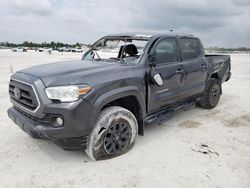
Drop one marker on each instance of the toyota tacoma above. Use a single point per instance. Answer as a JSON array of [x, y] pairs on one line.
[[99, 104]]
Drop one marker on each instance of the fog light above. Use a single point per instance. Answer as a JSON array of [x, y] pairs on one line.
[[59, 121]]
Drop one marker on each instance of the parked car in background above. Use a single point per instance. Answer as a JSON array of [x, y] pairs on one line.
[[19, 49], [77, 50], [64, 49], [40, 50]]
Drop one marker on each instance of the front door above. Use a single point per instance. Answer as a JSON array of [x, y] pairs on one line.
[[167, 64]]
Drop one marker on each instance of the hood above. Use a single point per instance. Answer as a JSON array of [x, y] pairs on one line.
[[71, 72]]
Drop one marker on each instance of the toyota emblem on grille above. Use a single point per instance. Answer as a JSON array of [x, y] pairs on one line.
[[17, 93]]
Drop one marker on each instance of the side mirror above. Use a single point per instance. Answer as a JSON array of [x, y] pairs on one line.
[[156, 78]]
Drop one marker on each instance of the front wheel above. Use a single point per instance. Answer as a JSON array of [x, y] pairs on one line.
[[114, 133], [211, 94]]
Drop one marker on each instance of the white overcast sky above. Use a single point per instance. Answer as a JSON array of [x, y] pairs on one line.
[[218, 23]]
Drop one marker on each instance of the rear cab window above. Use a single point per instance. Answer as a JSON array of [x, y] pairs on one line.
[[190, 48]]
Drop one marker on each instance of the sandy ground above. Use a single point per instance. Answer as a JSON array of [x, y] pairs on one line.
[[164, 157]]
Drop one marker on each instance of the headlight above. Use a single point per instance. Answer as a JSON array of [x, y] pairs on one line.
[[66, 93]]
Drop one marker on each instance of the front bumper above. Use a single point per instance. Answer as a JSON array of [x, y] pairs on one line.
[[40, 123], [62, 136], [27, 125]]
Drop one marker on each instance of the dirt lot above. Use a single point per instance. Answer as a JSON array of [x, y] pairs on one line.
[[165, 157]]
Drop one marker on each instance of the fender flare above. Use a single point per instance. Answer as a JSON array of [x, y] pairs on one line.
[[115, 94]]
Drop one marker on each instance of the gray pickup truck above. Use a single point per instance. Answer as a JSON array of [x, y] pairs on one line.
[[101, 103]]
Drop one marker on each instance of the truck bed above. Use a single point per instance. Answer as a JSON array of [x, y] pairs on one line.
[[219, 63]]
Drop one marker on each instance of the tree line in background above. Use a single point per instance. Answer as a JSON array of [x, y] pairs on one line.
[[217, 49], [55, 45], [52, 45]]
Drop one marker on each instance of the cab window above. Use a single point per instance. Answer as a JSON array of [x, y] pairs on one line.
[[190, 48], [166, 51]]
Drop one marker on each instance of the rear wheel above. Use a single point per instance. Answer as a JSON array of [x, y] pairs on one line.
[[114, 134], [211, 94]]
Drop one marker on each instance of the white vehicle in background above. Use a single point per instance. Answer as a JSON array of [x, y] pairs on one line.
[[40, 50], [47, 50], [64, 49], [19, 49], [77, 50]]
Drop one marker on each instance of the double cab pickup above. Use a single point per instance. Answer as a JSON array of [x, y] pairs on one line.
[[99, 104]]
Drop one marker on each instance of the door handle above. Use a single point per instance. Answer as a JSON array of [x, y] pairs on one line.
[[179, 71], [203, 66]]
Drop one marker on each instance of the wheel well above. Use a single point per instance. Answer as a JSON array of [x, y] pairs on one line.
[[130, 103]]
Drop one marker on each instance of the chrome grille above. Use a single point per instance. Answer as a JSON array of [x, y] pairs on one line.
[[23, 95]]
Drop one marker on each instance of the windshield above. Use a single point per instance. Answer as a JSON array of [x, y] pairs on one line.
[[124, 50]]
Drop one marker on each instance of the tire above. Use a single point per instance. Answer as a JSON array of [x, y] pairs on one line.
[[114, 134], [211, 94]]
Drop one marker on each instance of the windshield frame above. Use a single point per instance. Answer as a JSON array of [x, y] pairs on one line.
[[121, 38]]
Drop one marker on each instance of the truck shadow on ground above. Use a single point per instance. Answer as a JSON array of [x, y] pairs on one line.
[[179, 120], [56, 153], [182, 119]]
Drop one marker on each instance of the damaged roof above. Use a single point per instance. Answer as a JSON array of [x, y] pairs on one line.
[[147, 35]]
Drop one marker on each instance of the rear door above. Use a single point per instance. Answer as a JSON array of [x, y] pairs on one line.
[[167, 62], [194, 66]]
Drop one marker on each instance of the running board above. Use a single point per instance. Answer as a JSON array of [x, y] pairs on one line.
[[164, 115]]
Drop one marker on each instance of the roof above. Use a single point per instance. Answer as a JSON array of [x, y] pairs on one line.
[[147, 35]]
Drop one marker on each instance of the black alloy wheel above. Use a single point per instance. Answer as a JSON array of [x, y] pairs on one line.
[[117, 138]]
